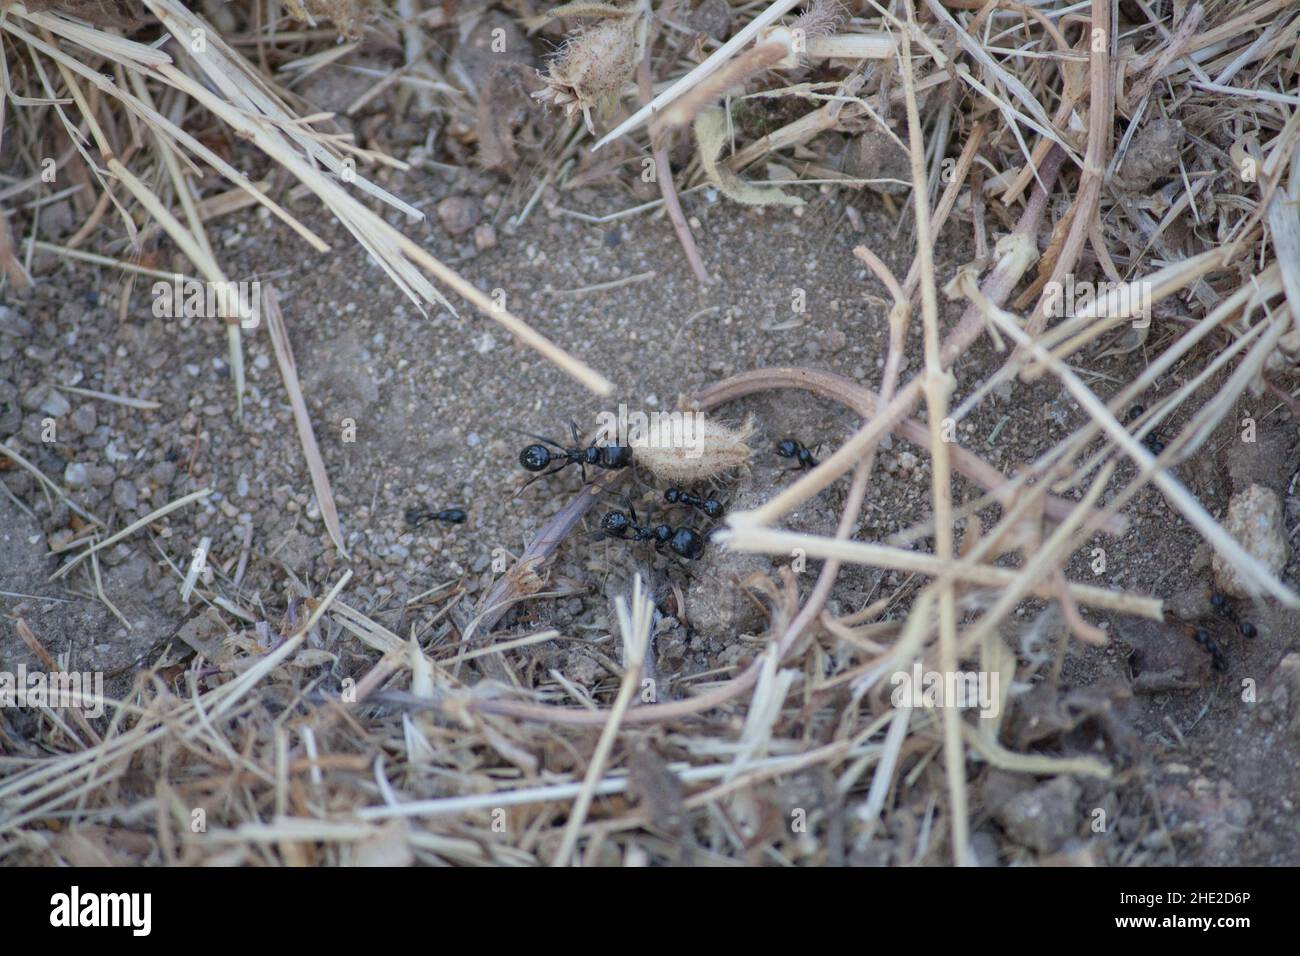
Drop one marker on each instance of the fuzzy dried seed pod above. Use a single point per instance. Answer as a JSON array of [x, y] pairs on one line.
[[702, 450], [591, 69]]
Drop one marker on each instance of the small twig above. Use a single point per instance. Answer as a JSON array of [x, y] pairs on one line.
[[663, 168]]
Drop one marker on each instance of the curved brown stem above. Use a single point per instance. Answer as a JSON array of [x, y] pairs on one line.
[[867, 404]]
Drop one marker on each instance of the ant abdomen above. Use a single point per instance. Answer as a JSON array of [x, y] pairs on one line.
[[687, 543], [535, 457]]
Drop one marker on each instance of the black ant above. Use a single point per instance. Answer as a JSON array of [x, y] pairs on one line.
[[1202, 637], [685, 542], [712, 507], [1220, 603], [536, 458], [1152, 441], [418, 516], [790, 448]]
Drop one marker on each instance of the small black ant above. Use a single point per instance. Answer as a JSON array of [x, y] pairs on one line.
[[712, 507], [1152, 441], [791, 448], [1202, 637], [418, 516], [1220, 603], [685, 542], [536, 458]]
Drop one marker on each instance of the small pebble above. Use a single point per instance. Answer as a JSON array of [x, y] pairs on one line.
[[485, 237], [459, 214], [85, 418], [124, 495]]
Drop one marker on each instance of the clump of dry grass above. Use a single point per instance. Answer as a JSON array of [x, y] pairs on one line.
[[235, 92], [417, 762]]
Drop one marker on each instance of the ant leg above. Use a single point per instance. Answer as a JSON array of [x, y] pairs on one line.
[[639, 481], [540, 475], [553, 444]]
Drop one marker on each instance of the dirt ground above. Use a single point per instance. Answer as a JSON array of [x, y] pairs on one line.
[[438, 402]]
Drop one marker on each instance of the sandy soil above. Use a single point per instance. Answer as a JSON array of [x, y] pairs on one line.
[[438, 401]]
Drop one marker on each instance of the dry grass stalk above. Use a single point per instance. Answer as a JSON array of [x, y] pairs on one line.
[[330, 803], [306, 435]]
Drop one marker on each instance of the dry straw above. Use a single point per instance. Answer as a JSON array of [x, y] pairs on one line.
[[1024, 128]]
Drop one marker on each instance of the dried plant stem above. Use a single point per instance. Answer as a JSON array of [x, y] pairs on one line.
[[899, 317], [663, 167], [131, 529], [508, 590], [1020, 250], [1101, 114], [696, 76], [1039, 566], [320, 479], [756, 59], [938, 384], [867, 404], [949, 199], [770, 541], [1252, 571], [635, 624]]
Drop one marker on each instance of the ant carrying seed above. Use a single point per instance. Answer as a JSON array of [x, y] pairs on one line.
[[685, 542], [537, 458], [1202, 637], [791, 448], [1220, 603], [418, 516], [712, 507]]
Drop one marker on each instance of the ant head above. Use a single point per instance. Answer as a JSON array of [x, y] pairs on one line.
[[535, 457], [1218, 601], [787, 448], [713, 508], [687, 543], [673, 495], [615, 524], [1247, 629], [1136, 412]]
